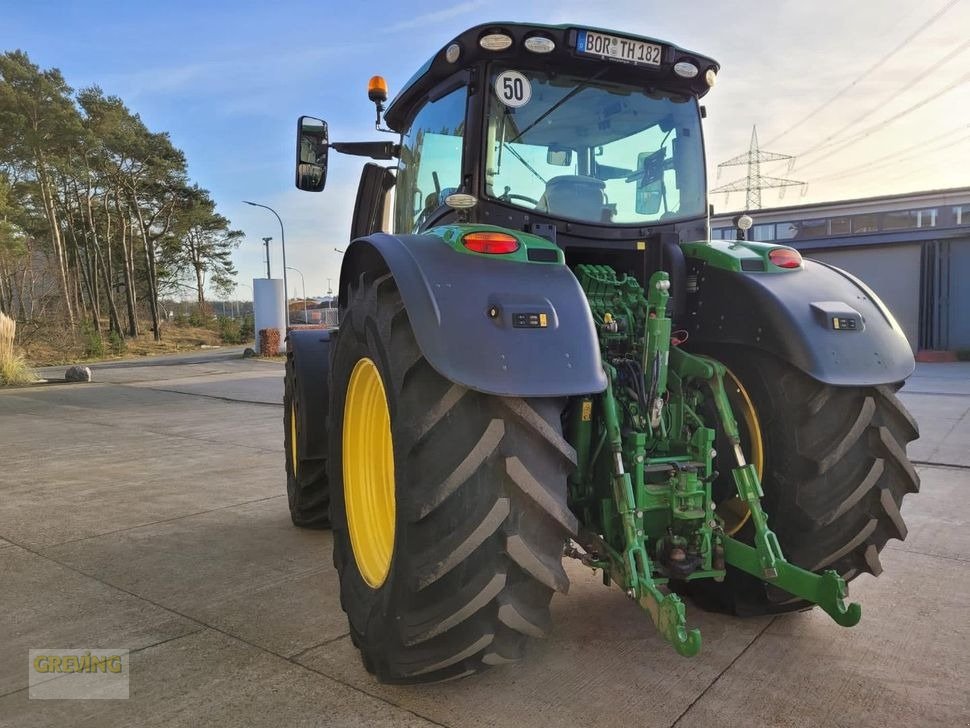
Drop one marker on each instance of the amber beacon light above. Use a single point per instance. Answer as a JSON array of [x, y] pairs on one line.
[[377, 89]]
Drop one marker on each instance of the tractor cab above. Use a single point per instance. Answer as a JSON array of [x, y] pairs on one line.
[[589, 138]]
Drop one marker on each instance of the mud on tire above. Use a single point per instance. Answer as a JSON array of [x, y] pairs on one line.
[[481, 515]]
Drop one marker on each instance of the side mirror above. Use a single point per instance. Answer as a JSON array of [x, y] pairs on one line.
[[312, 146], [650, 181], [649, 197], [557, 156]]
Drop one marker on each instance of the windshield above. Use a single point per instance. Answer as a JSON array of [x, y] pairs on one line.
[[589, 150]]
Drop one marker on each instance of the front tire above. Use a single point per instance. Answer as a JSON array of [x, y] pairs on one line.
[[478, 495], [835, 473]]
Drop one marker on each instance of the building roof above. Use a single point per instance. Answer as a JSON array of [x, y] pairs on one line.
[[858, 201]]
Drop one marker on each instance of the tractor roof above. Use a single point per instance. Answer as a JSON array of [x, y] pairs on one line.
[[562, 56]]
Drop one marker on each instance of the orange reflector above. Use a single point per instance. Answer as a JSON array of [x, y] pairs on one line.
[[377, 89], [785, 258], [491, 243]]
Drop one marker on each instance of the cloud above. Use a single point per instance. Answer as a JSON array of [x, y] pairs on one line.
[[429, 19], [230, 73]]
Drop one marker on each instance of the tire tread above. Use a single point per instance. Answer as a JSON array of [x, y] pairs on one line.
[[836, 474], [481, 508]]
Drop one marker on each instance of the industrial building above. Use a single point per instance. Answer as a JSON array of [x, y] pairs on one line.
[[912, 249]]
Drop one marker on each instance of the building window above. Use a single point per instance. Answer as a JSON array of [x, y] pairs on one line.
[[787, 230], [840, 226], [864, 223], [962, 215], [901, 220], [762, 233], [813, 228], [926, 218]]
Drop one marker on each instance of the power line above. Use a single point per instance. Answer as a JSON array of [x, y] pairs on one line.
[[891, 159], [908, 84], [878, 64], [915, 174], [841, 145]]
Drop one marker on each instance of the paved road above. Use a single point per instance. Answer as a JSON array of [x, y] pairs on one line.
[[145, 511]]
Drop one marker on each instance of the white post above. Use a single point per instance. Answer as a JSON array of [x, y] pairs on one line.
[[269, 308]]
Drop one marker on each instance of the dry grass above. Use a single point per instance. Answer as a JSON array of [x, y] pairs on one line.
[[54, 346], [13, 367]]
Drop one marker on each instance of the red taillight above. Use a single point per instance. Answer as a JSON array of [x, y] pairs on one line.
[[491, 243], [785, 258]]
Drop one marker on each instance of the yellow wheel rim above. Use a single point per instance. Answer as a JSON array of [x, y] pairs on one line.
[[293, 458], [368, 469], [735, 511]]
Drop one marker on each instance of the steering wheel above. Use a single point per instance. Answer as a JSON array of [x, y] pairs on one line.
[[509, 196]]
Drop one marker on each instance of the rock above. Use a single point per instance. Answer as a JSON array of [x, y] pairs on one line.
[[249, 352], [78, 374]]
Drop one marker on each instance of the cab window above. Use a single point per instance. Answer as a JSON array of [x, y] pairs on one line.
[[430, 166], [591, 150]]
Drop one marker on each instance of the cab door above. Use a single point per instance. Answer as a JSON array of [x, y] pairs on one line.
[[430, 166]]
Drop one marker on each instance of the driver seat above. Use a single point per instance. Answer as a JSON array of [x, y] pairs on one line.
[[575, 196]]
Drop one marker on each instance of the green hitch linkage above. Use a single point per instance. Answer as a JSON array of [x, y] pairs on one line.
[[765, 560], [666, 610]]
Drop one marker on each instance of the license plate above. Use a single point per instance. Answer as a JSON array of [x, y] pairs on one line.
[[618, 49]]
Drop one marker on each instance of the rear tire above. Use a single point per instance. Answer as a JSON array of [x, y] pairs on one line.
[[835, 475], [307, 486], [480, 508]]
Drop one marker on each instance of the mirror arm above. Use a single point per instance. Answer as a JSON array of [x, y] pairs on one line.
[[374, 150]]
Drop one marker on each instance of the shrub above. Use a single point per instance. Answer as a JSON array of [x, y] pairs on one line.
[[229, 330], [92, 341], [269, 342], [117, 343], [197, 318], [247, 328]]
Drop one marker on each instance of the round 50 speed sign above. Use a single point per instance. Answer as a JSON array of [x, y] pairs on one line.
[[513, 88]]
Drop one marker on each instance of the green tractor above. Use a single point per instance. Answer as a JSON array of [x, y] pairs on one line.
[[542, 355]]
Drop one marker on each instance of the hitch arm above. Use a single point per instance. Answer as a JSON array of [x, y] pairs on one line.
[[765, 560], [632, 568], [827, 589]]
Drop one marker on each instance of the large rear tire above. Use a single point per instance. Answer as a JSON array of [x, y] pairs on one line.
[[835, 473], [307, 488], [473, 506]]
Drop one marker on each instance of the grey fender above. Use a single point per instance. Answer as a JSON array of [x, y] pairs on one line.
[[821, 319], [308, 352], [468, 311]]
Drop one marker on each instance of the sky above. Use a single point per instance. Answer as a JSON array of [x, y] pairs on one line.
[[872, 97]]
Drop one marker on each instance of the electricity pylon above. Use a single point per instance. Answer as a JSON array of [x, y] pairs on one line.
[[755, 181]]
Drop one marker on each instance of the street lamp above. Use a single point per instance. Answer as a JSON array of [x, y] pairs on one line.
[[286, 303], [306, 318], [266, 242]]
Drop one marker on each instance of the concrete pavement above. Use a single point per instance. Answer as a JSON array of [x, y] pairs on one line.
[[146, 511]]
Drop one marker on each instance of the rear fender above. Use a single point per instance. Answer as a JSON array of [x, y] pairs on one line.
[[819, 318], [497, 326]]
